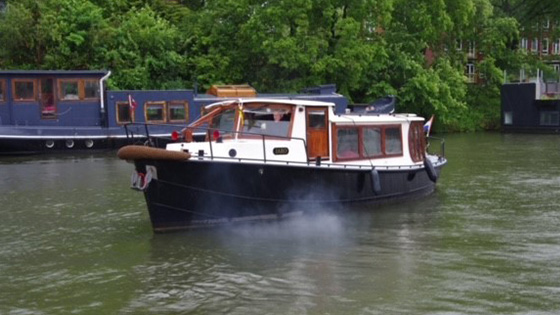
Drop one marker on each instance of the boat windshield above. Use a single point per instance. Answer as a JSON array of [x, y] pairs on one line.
[[225, 121], [266, 120]]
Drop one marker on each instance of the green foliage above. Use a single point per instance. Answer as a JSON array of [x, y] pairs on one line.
[[369, 48]]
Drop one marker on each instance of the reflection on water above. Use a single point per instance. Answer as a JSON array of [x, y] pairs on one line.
[[75, 238]]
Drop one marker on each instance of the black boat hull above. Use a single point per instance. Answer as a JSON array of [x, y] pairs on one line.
[[195, 193]]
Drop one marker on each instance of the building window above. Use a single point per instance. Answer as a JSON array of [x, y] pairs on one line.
[[459, 44], [470, 72], [535, 45], [556, 47], [2, 90], [524, 43], [472, 49], [556, 68], [154, 111], [78, 89], [508, 118], [545, 46], [178, 111], [125, 114], [550, 118], [24, 90]]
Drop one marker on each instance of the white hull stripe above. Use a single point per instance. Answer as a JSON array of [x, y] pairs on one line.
[[30, 137]]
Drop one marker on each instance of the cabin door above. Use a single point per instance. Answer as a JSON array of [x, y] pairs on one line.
[[317, 133], [47, 99]]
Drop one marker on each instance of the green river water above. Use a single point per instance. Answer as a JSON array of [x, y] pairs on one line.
[[74, 239]]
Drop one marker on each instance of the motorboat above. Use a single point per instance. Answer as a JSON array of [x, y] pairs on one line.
[[262, 159]]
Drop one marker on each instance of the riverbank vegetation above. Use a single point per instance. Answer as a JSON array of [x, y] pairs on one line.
[[368, 48]]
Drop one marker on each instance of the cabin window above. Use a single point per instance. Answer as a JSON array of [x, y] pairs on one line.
[[69, 90], [177, 111], [372, 142], [24, 90], [361, 142], [125, 113], [393, 141], [267, 120], [154, 111], [347, 143], [78, 89], [317, 119], [550, 119], [91, 89], [2, 90], [416, 141]]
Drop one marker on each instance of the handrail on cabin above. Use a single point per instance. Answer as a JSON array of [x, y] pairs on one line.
[[208, 136]]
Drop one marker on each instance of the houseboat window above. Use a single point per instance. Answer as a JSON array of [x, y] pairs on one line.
[[177, 111], [69, 90], [372, 141], [24, 90], [508, 118], [347, 143], [78, 89], [91, 89], [125, 114], [155, 111], [550, 119], [269, 121], [393, 141], [416, 141], [2, 91], [316, 119]]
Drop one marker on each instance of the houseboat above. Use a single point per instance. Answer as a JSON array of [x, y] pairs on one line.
[[53, 111], [531, 106], [272, 158]]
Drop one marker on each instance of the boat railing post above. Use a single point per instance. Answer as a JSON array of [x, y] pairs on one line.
[[264, 148], [209, 135]]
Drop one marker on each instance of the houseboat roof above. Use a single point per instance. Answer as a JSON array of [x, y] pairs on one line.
[[274, 101], [53, 72]]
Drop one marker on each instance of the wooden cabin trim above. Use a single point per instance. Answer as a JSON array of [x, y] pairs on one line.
[[14, 90], [362, 154], [416, 141], [132, 114], [171, 104], [97, 90], [80, 89], [3, 92], [155, 104]]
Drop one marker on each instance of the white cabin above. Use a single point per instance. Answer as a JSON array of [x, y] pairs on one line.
[[303, 132]]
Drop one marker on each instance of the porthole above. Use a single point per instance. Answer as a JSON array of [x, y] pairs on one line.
[[49, 144], [89, 143]]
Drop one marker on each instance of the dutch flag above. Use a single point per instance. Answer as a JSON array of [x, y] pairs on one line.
[[428, 126]]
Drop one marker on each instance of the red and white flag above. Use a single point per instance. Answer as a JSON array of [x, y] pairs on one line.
[[131, 102]]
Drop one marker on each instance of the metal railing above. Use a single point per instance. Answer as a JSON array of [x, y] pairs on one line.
[[441, 151]]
